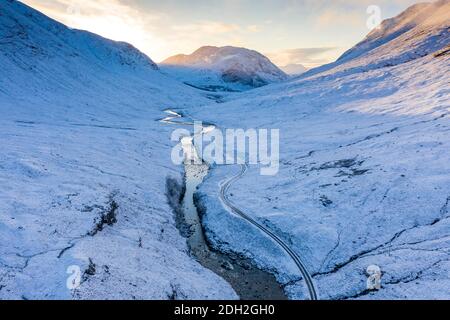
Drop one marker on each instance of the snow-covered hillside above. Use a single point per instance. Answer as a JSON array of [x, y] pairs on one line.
[[364, 176], [417, 32], [84, 166], [223, 69]]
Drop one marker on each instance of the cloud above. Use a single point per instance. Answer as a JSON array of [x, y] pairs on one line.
[[208, 27], [157, 33], [254, 28], [338, 18], [163, 28], [112, 19], [309, 57], [216, 28]]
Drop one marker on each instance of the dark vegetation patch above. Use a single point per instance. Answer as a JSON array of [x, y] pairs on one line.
[[338, 164], [175, 194], [90, 271], [349, 167], [352, 173], [325, 201], [107, 218], [443, 52]]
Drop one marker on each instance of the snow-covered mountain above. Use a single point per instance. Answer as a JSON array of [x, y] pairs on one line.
[[35, 36], [223, 69], [294, 69], [364, 178], [420, 30], [84, 165]]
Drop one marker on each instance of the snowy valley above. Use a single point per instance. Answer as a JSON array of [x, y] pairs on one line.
[[364, 177], [87, 180], [83, 168]]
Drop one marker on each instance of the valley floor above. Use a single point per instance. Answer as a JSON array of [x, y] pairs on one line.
[[94, 198], [85, 167], [364, 180]]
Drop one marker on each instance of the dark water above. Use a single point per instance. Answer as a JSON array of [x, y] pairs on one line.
[[249, 282]]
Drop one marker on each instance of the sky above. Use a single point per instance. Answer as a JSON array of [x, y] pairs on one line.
[[307, 32]]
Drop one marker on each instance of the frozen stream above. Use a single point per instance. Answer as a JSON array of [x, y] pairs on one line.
[[249, 282]]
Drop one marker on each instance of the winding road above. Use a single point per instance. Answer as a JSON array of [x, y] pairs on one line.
[[228, 203], [301, 266]]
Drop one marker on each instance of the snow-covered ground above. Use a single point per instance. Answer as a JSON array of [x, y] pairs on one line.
[[83, 169], [223, 69], [364, 177]]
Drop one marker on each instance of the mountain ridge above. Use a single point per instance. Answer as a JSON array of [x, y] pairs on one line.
[[32, 30], [420, 30], [228, 67]]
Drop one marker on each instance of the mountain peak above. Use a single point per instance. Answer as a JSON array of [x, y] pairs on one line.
[[419, 18], [225, 67], [32, 33]]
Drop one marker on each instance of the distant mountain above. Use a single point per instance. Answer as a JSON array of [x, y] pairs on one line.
[[294, 69], [223, 69], [420, 30]]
